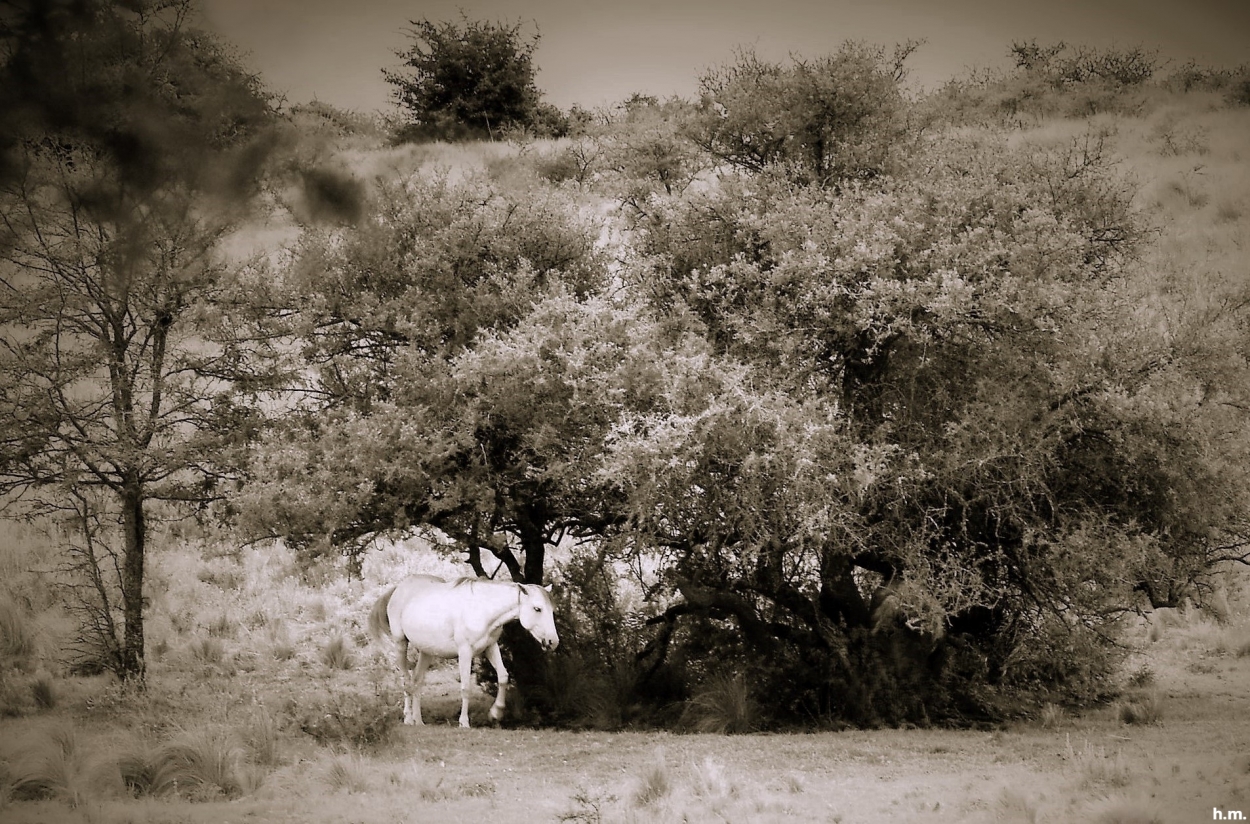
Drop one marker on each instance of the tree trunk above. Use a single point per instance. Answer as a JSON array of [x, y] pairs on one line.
[[531, 526], [134, 528]]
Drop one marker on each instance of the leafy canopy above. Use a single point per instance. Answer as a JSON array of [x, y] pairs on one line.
[[467, 79]]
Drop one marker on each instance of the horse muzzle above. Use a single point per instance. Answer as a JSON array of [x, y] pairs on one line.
[[549, 644]]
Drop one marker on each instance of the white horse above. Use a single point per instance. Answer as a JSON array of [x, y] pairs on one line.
[[460, 618]]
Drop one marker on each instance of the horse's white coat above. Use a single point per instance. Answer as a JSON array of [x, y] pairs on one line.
[[458, 619]]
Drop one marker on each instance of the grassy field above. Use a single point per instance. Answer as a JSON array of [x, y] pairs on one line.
[[266, 703]]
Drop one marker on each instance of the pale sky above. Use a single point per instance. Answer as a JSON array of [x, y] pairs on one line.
[[596, 52]]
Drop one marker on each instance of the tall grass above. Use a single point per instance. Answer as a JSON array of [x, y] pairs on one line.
[[1096, 768], [200, 764], [337, 654], [55, 764], [654, 782], [724, 705], [18, 645], [347, 773]]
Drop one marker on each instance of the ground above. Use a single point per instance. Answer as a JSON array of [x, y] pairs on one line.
[[268, 673]]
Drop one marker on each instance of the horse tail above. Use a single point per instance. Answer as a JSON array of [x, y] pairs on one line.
[[378, 622]]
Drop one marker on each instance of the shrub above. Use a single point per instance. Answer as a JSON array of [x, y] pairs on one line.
[[816, 121], [337, 654], [588, 807], [723, 705], [468, 79], [359, 721]]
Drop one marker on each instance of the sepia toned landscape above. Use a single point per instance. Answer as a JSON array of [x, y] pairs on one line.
[[884, 446]]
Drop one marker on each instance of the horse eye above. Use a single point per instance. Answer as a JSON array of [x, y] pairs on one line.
[[538, 609]]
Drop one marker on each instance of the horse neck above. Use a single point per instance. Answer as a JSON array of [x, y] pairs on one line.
[[503, 599]]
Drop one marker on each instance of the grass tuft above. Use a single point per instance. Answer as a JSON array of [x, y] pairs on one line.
[[1014, 806], [1051, 716], [1145, 710], [201, 765], [43, 691], [725, 705], [654, 782], [208, 650], [337, 654], [56, 765], [222, 627], [1096, 767], [263, 737], [710, 781], [18, 647], [346, 773]]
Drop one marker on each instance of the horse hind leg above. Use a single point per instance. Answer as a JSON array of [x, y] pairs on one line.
[[405, 678], [466, 672], [496, 659], [418, 681]]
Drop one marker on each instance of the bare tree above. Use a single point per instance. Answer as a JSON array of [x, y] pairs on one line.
[[111, 211]]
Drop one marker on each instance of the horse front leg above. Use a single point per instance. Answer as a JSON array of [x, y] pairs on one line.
[[466, 671], [496, 659]]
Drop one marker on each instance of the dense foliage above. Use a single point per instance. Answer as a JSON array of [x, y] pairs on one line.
[[469, 79], [871, 405], [865, 408]]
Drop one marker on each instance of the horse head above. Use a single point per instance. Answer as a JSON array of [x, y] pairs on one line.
[[538, 615]]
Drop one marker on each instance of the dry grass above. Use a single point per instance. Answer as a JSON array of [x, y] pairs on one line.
[[347, 773], [337, 653], [1121, 810], [54, 763], [724, 705], [1142, 710], [203, 764], [653, 782], [1096, 768], [314, 715], [18, 644]]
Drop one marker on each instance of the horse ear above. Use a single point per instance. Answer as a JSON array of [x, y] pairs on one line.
[[548, 587]]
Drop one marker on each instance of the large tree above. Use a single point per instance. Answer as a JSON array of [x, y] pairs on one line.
[[979, 447], [131, 139], [467, 78]]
